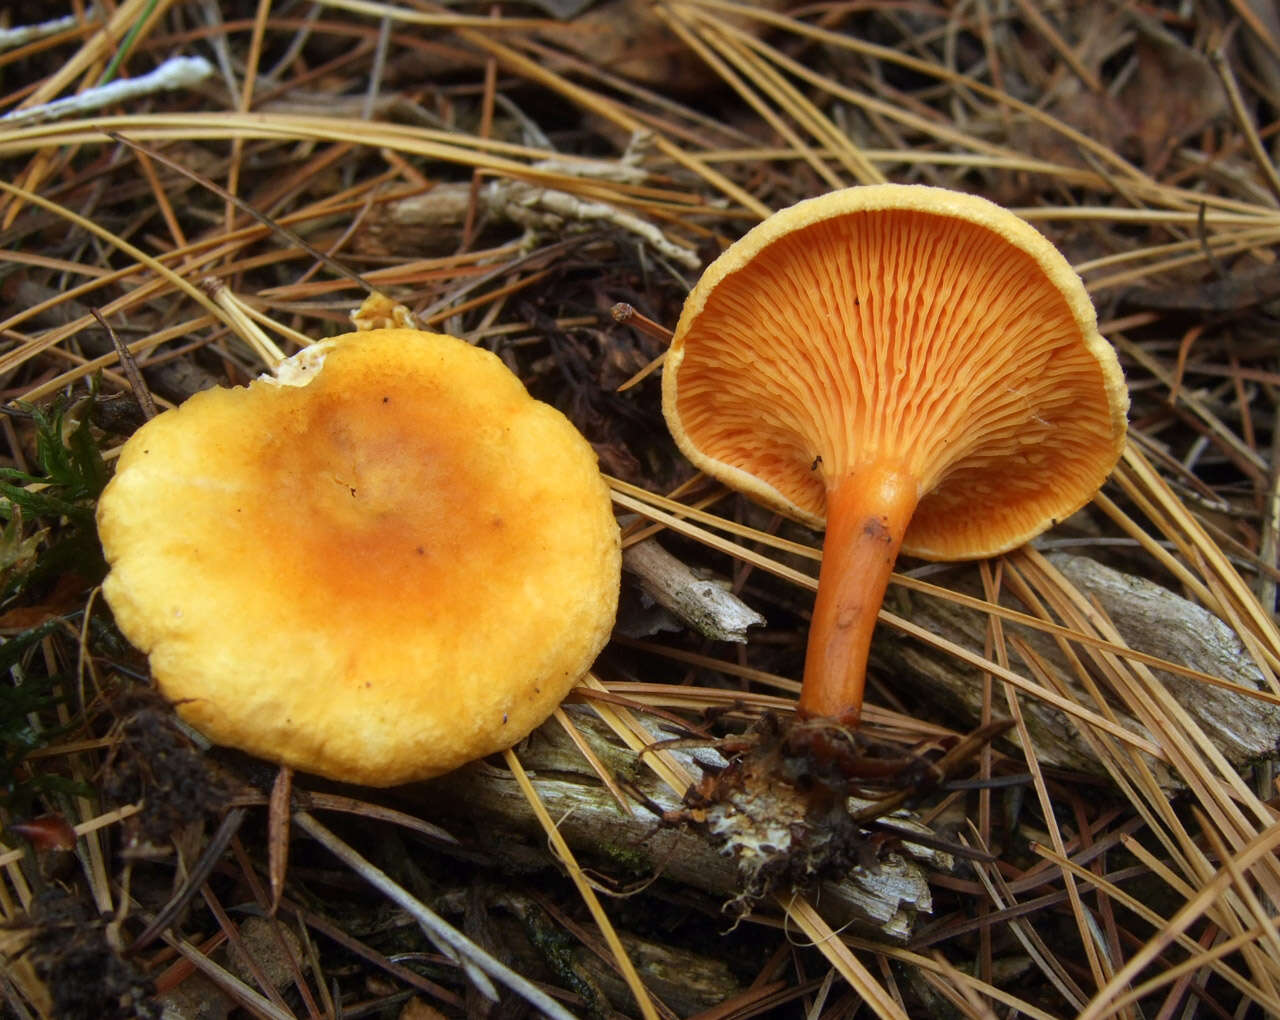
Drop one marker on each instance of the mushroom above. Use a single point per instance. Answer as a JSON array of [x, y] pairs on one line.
[[917, 369], [382, 562]]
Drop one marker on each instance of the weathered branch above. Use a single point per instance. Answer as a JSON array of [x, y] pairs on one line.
[[1150, 618], [706, 606]]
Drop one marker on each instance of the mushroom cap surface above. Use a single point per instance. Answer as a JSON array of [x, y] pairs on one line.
[[385, 562], [908, 325]]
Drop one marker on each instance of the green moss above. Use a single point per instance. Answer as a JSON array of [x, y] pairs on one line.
[[47, 539], [46, 519], [631, 859]]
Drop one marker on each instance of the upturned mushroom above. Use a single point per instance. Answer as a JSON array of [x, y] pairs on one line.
[[382, 562], [914, 368]]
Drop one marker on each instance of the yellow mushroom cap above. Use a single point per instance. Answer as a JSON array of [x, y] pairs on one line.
[[384, 562], [908, 325]]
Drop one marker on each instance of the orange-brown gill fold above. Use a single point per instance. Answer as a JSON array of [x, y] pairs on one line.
[[867, 515]]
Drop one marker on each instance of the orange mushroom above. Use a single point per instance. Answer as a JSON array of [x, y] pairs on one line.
[[916, 368], [380, 562]]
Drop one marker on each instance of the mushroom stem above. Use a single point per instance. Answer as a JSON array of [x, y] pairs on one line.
[[867, 515]]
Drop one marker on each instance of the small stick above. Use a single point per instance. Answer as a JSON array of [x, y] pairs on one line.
[[711, 610], [23, 34], [136, 382], [174, 73], [625, 313]]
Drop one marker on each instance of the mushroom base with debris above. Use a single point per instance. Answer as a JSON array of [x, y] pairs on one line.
[[880, 902], [807, 801]]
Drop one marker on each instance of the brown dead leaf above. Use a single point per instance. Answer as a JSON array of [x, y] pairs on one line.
[[67, 595], [418, 1009], [1172, 95], [628, 38]]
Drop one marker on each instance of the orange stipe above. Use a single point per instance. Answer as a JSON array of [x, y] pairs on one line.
[[867, 515]]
